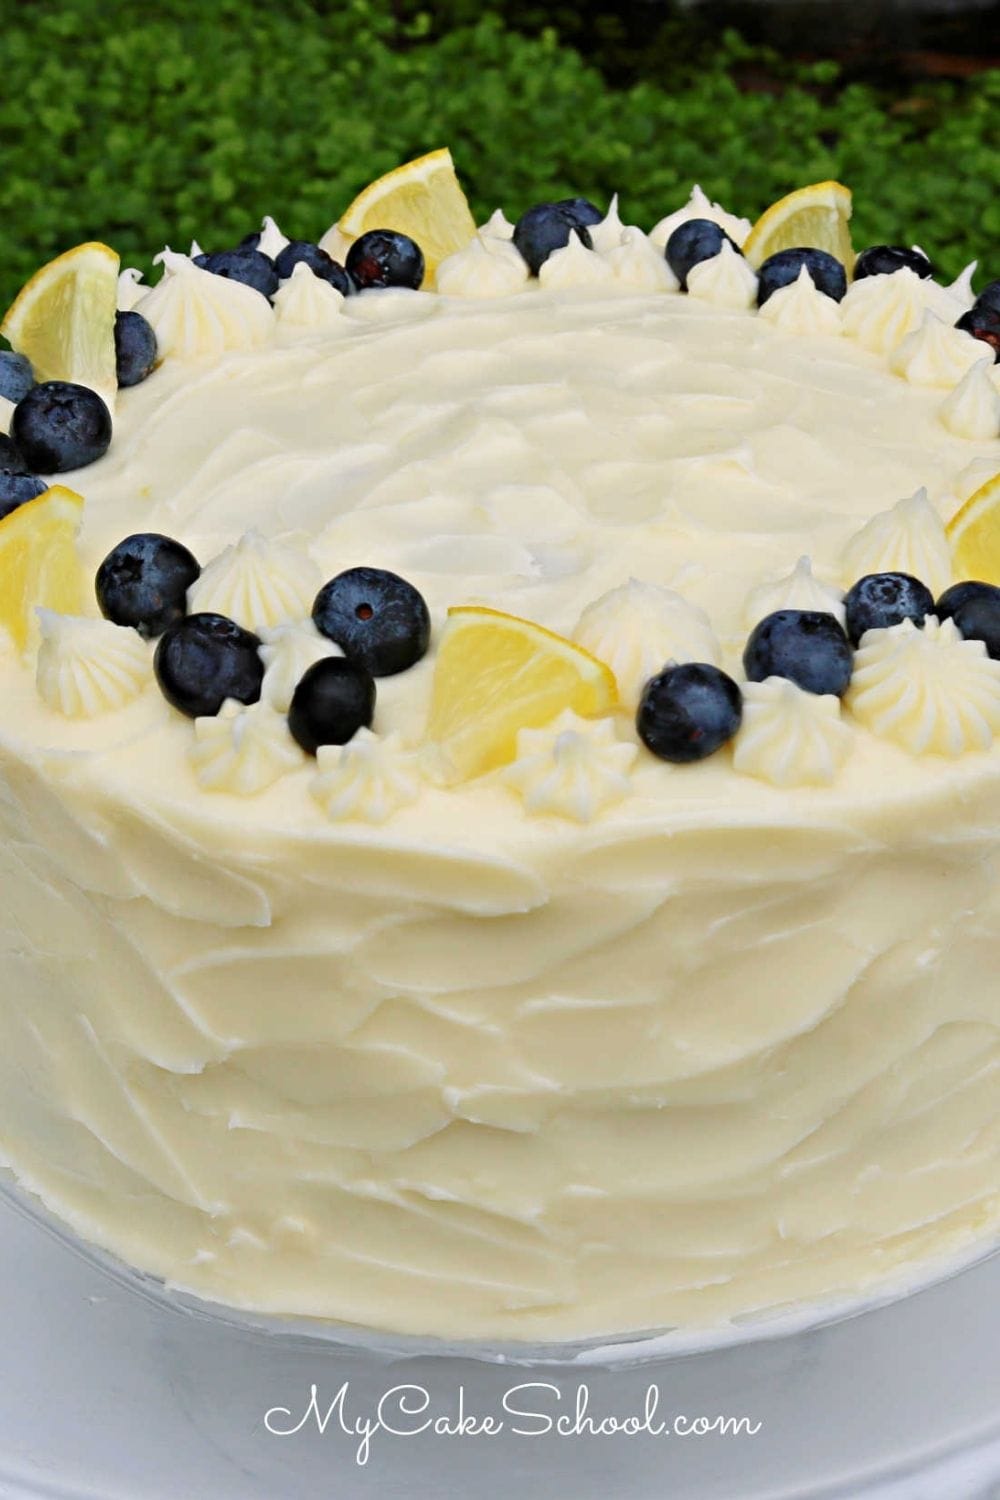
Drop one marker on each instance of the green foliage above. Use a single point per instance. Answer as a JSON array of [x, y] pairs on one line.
[[144, 125]]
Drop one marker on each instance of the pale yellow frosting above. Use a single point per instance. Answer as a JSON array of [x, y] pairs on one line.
[[475, 1070], [498, 226], [271, 241], [799, 589], [638, 628], [879, 311], [574, 768], [639, 265], [488, 266], [305, 303], [725, 279], [699, 206], [243, 750], [927, 688], [198, 316], [574, 266], [130, 288], [288, 651], [909, 538], [790, 737], [936, 353], [258, 582], [801, 307], [973, 409], [88, 667], [368, 779]]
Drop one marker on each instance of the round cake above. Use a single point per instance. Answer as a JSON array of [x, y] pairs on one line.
[[630, 963]]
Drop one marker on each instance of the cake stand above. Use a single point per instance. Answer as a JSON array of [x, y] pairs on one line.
[[111, 1392]]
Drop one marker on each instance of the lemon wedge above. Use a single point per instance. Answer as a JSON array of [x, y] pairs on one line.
[[974, 534], [39, 565], [817, 217], [63, 319], [497, 674], [423, 199]]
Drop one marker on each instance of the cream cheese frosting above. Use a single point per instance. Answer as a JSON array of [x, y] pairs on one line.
[[936, 353], [909, 537], [638, 264], [879, 311], [799, 589], [306, 303], [573, 768], [88, 667], [488, 266], [574, 266], [367, 779], [699, 206], [638, 628], [724, 279], [973, 409], [243, 750], [478, 1070], [790, 737], [198, 316], [801, 307], [258, 582]]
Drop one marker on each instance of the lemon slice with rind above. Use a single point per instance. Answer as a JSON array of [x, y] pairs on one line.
[[63, 319], [817, 217], [497, 674], [423, 199], [39, 564], [974, 534]]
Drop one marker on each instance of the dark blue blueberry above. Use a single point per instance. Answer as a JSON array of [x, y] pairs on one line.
[[581, 211], [16, 376], [989, 297], [383, 257], [335, 699], [243, 264], [59, 426], [144, 581], [205, 659], [880, 600], [975, 609], [692, 242], [135, 348], [782, 268], [299, 252], [883, 260], [807, 646], [376, 618], [545, 228], [983, 322], [17, 483], [686, 713]]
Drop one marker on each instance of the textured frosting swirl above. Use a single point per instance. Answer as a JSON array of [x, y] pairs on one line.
[[574, 266], [368, 779], [305, 302], [288, 651], [908, 538], [271, 241], [243, 750], [258, 583], [488, 266], [802, 308], [725, 280], [936, 353], [637, 628], [973, 409], [638, 264], [788, 736], [929, 690], [88, 667], [573, 768], [606, 235], [130, 288], [196, 315], [799, 589], [699, 206], [497, 226], [879, 311]]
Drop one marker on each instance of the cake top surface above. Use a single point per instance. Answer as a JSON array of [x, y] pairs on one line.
[[644, 471]]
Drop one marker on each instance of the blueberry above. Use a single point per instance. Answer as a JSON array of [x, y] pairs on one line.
[[16, 376], [975, 609], [59, 426], [804, 645], [135, 348], [883, 260], [335, 699], [242, 264], [382, 257], [298, 252], [205, 659], [686, 713], [983, 322], [989, 297], [17, 484], [581, 211], [376, 618], [782, 268], [545, 228], [692, 242], [882, 599], [144, 581]]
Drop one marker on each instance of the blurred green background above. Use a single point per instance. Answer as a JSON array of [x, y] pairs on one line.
[[149, 124]]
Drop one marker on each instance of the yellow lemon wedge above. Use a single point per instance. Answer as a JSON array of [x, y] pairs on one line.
[[974, 534], [63, 319], [39, 565], [818, 216], [497, 674], [423, 199]]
